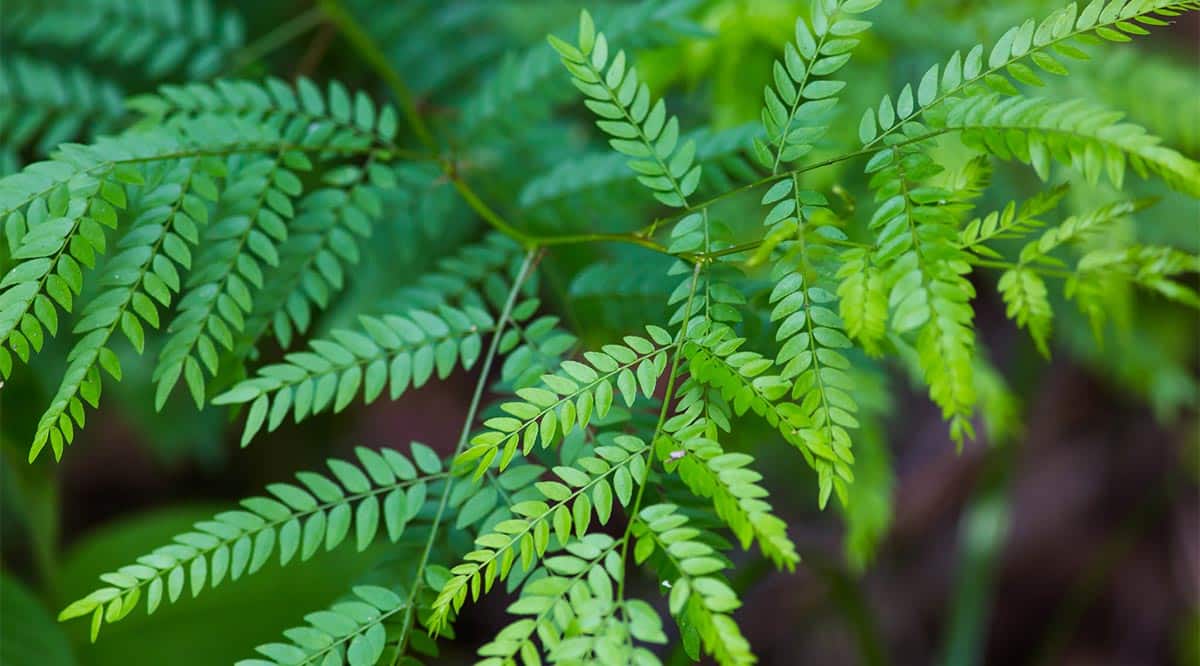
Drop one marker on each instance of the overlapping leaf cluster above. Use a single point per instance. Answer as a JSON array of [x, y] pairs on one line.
[[234, 215]]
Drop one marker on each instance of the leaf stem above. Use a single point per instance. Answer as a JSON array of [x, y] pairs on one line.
[[631, 239], [486, 212], [773, 178], [801, 85], [361, 40], [476, 398], [282, 34], [1049, 272], [1013, 57], [662, 418]]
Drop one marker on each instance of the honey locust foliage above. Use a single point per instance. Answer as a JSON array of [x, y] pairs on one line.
[[215, 219]]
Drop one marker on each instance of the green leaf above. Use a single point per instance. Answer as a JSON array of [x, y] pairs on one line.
[[132, 329], [426, 459], [366, 522], [476, 508], [602, 500], [647, 376]]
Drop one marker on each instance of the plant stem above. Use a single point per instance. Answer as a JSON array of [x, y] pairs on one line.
[[1050, 272], [484, 371], [662, 418], [774, 178], [631, 239], [375, 57], [361, 40], [316, 50], [282, 34], [483, 210]]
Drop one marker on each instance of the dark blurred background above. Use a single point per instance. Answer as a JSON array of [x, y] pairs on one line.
[[1070, 536]]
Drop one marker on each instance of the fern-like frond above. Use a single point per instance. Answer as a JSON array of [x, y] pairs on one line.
[[699, 597], [348, 632], [243, 208], [323, 241], [720, 151], [689, 448], [1076, 133], [622, 292], [478, 275], [1027, 302], [715, 358], [809, 333], [812, 337], [1148, 266], [568, 398], [588, 486], [171, 210], [1157, 90], [534, 349], [159, 37], [1077, 229], [521, 91], [1012, 222], [253, 211], [863, 298], [570, 605], [251, 221], [1097, 270], [333, 120], [917, 240], [794, 109], [55, 213], [51, 210], [716, 296], [640, 130], [1041, 43], [399, 351], [385, 488], [43, 104]]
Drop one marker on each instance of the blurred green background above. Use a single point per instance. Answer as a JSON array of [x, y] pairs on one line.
[[1069, 534]]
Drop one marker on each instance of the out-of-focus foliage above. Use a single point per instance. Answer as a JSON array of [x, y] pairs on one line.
[[31, 635], [670, 281]]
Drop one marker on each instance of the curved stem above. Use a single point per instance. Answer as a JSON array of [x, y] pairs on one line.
[[361, 40], [486, 212], [533, 521], [534, 420]]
